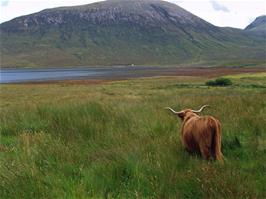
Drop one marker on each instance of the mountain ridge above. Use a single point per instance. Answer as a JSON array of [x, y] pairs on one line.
[[258, 24], [115, 32], [115, 11]]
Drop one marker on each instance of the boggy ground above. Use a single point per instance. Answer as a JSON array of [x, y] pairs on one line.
[[115, 140]]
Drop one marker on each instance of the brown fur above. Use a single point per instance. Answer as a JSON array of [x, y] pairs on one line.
[[201, 134]]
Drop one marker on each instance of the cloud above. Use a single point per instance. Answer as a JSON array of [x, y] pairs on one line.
[[4, 3], [219, 7]]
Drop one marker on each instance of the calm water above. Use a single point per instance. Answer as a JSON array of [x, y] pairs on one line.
[[26, 75], [46, 74]]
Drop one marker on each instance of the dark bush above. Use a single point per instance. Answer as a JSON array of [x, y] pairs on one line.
[[219, 82]]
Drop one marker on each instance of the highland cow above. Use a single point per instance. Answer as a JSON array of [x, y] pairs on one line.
[[200, 133]]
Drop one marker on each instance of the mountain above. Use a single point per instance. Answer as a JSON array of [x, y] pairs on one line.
[[258, 25], [123, 32], [257, 29]]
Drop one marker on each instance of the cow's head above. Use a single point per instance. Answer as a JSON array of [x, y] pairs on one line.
[[187, 113]]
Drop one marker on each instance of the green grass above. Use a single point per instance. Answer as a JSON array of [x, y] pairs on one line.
[[248, 75], [115, 140]]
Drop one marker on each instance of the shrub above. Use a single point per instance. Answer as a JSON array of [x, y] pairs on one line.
[[219, 82]]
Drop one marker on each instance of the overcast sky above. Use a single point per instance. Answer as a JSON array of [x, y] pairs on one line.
[[232, 13]]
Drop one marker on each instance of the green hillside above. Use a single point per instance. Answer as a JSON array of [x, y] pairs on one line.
[[149, 32]]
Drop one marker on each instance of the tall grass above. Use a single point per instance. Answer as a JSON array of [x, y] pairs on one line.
[[116, 141]]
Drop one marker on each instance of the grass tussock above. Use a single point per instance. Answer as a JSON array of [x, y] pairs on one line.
[[115, 140], [219, 82]]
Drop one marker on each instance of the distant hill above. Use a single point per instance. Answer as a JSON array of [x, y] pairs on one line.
[[257, 29], [258, 25], [124, 32]]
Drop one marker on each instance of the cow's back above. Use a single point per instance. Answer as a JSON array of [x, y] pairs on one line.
[[198, 131]]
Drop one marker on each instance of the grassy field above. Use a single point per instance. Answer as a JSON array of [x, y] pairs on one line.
[[115, 140]]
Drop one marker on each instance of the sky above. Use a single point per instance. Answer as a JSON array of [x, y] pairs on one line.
[[224, 13]]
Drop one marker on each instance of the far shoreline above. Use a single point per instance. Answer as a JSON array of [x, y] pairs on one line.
[[107, 74], [184, 65]]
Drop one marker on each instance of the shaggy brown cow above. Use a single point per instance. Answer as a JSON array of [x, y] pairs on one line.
[[200, 133]]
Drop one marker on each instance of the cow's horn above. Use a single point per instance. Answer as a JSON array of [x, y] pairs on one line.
[[173, 111], [201, 109]]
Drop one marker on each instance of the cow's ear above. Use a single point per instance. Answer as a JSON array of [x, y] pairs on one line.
[[181, 114]]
